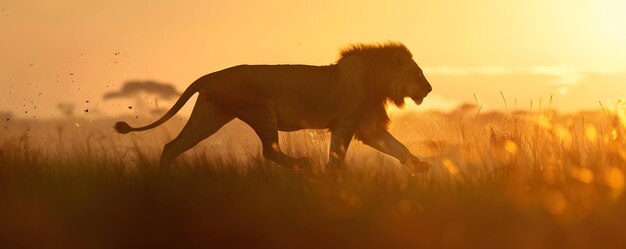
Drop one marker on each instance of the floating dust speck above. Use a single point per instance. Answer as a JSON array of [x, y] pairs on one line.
[[583, 175], [556, 202], [591, 133], [510, 146], [452, 169], [614, 177]]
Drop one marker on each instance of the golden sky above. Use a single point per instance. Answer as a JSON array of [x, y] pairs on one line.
[[72, 51]]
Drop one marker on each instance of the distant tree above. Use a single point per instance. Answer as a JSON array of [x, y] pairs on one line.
[[139, 91], [5, 115], [132, 89], [66, 109]]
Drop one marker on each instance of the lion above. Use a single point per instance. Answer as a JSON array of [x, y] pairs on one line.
[[347, 97]]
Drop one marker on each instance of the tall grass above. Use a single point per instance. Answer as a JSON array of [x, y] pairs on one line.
[[520, 179]]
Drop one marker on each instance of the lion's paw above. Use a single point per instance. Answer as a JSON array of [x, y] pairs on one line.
[[334, 165], [417, 165]]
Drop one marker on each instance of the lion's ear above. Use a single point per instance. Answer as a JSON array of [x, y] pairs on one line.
[[400, 60]]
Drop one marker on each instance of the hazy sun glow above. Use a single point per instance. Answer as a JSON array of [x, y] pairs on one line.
[[73, 51]]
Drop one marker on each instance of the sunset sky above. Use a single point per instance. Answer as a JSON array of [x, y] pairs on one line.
[[72, 51]]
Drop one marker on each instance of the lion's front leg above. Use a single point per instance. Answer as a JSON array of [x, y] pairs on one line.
[[340, 138], [384, 142]]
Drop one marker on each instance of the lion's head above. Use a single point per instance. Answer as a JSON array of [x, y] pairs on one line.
[[408, 80], [390, 71]]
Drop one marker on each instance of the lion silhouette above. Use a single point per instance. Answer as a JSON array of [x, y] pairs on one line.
[[347, 97]]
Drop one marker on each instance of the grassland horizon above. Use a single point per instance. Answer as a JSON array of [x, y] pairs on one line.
[[523, 179]]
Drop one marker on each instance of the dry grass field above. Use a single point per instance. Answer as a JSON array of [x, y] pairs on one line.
[[523, 179]]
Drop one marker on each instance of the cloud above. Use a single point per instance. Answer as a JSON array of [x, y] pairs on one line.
[[562, 75], [133, 88], [568, 88], [488, 70]]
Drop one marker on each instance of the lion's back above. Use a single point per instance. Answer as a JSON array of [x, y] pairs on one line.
[[298, 94]]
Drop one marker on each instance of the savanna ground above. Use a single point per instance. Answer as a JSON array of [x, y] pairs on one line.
[[534, 179]]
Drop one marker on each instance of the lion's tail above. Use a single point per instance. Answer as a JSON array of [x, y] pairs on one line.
[[123, 127]]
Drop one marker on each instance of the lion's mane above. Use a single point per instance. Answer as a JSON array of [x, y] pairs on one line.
[[367, 69]]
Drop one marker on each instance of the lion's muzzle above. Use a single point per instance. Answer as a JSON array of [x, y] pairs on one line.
[[418, 98]]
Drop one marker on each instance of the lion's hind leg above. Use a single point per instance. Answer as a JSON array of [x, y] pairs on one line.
[[272, 151], [264, 124], [206, 119]]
